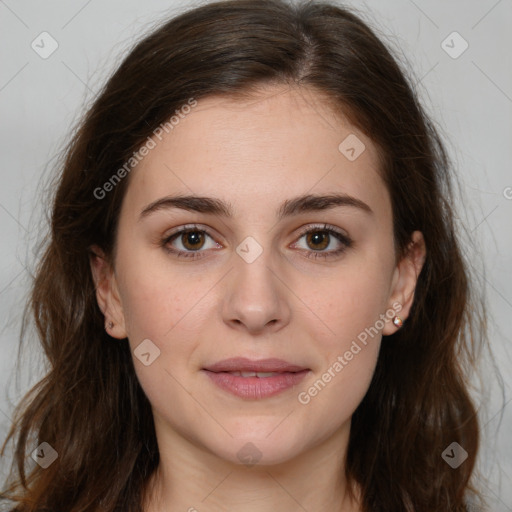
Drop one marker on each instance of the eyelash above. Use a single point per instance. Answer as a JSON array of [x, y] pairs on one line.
[[341, 237]]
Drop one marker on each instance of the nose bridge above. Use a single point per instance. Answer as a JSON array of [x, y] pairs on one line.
[[255, 298]]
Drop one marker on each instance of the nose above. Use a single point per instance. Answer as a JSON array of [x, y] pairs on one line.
[[256, 300]]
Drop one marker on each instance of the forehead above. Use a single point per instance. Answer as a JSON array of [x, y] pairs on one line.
[[282, 142]]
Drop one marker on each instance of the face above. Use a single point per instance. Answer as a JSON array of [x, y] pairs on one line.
[[312, 283]]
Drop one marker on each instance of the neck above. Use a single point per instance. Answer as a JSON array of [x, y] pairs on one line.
[[191, 479]]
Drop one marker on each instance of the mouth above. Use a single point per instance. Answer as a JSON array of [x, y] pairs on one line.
[[251, 379]]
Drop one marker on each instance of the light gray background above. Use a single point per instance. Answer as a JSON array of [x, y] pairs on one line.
[[470, 97]]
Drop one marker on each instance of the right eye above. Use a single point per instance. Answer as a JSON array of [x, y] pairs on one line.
[[192, 240]]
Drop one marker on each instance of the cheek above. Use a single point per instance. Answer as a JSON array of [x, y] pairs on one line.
[[348, 348], [171, 310], [167, 310], [347, 303], [332, 397], [352, 308], [155, 298]]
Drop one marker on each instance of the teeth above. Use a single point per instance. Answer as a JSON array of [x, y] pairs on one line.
[[254, 374]]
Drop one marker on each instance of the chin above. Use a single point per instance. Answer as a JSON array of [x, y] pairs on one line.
[[259, 450]]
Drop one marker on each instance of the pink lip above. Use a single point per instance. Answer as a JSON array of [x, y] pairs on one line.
[[255, 387]]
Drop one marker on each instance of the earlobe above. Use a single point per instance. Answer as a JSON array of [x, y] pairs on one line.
[[106, 293], [404, 282]]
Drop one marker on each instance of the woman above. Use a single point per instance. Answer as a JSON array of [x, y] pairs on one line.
[[253, 295]]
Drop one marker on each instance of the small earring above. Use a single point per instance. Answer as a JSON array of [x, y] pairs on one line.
[[110, 325], [398, 321]]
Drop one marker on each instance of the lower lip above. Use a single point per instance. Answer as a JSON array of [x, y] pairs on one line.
[[256, 387]]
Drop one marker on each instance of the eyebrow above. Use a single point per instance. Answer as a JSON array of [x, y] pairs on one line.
[[210, 205]]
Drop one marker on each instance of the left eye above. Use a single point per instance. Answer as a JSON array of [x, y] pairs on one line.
[[192, 240], [321, 238]]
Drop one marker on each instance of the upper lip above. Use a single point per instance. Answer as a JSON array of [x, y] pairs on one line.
[[243, 364]]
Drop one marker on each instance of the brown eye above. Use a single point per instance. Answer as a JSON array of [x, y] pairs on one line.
[[189, 242], [318, 240], [192, 240]]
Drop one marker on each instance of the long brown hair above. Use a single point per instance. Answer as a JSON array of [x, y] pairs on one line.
[[90, 407]]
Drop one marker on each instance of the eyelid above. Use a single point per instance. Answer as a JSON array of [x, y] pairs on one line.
[[190, 227], [324, 227]]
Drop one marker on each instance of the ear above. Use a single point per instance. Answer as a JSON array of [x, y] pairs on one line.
[[107, 293], [404, 280]]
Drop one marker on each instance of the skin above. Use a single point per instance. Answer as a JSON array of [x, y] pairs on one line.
[[255, 155]]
